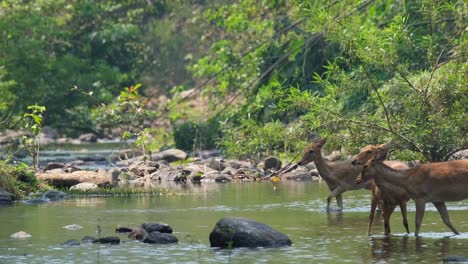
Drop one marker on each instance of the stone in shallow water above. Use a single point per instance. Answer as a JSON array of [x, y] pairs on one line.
[[241, 232], [20, 235], [159, 227], [73, 227], [71, 242], [160, 238]]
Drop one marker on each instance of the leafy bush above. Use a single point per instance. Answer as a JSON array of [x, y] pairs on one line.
[[196, 135], [17, 179]]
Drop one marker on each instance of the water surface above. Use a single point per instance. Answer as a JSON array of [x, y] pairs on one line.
[[294, 208]]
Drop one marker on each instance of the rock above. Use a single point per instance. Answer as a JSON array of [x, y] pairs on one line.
[[84, 186], [215, 164], [20, 235], [271, 164], [123, 229], [70, 179], [229, 170], [108, 240], [53, 165], [6, 197], [455, 259], [54, 195], [298, 175], [125, 154], [160, 238], [88, 239], [36, 201], [142, 168], [138, 234], [73, 227], [93, 158], [71, 242], [170, 155], [159, 227], [88, 137], [241, 232], [237, 164], [167, 174]]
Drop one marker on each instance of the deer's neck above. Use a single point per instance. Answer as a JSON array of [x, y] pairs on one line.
[[386, 175], [323, 168]]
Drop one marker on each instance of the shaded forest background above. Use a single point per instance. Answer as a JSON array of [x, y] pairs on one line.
[[253, 78]]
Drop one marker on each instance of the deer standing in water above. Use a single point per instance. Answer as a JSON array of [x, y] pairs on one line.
[[433, 182], [340, 176], [390, 197]]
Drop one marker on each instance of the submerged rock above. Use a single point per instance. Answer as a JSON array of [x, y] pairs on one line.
[[54, 195], [36, 201], [108, 240], [88, 239], [160, 238], [71, 242], [240, 232]]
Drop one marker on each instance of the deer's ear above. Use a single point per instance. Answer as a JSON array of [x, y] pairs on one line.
[[381, 154], [386, 145], [321, 142]]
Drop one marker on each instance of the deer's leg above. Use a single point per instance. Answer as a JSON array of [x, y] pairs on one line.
[[404, 215], [420, 209], [387, 211], [444, 214], [334, 193], [374, 202], [339, 201]]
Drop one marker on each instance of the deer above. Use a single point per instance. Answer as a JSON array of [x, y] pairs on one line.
[[340, 176], [390, 197], [436, 183]]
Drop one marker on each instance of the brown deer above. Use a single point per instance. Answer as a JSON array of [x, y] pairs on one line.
[[390, 197], [340, 176], [433, 182]]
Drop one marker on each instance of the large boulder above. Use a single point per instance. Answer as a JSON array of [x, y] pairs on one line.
[[62, 179], [240, 232], [6, 197], [170, 155]]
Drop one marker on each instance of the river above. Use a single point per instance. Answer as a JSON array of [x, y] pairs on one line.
[[294, 208]]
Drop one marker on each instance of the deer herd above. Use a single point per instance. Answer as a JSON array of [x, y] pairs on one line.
[[392, 182]]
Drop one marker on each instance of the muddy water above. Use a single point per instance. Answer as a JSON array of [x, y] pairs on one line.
[[296, 209]]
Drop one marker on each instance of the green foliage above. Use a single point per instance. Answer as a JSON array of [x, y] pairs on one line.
[[32, 143], [60, 52], [17, 179], [199, 135]]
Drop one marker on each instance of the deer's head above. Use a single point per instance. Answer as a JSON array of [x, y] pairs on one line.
[[369, 152], [367, 172], [313, 152]]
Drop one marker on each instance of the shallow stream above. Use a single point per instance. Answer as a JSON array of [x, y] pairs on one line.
[[294, 208]]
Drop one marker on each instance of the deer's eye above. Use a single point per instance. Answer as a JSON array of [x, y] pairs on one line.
[[368, 151]]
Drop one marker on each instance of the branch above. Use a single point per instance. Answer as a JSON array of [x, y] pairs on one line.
[[448, 155], [315, 37], [378, 127], [374, 86]]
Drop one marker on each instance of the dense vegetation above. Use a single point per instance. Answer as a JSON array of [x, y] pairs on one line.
[[272, 75]]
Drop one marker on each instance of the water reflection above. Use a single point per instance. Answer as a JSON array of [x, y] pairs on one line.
[[384, 247]]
